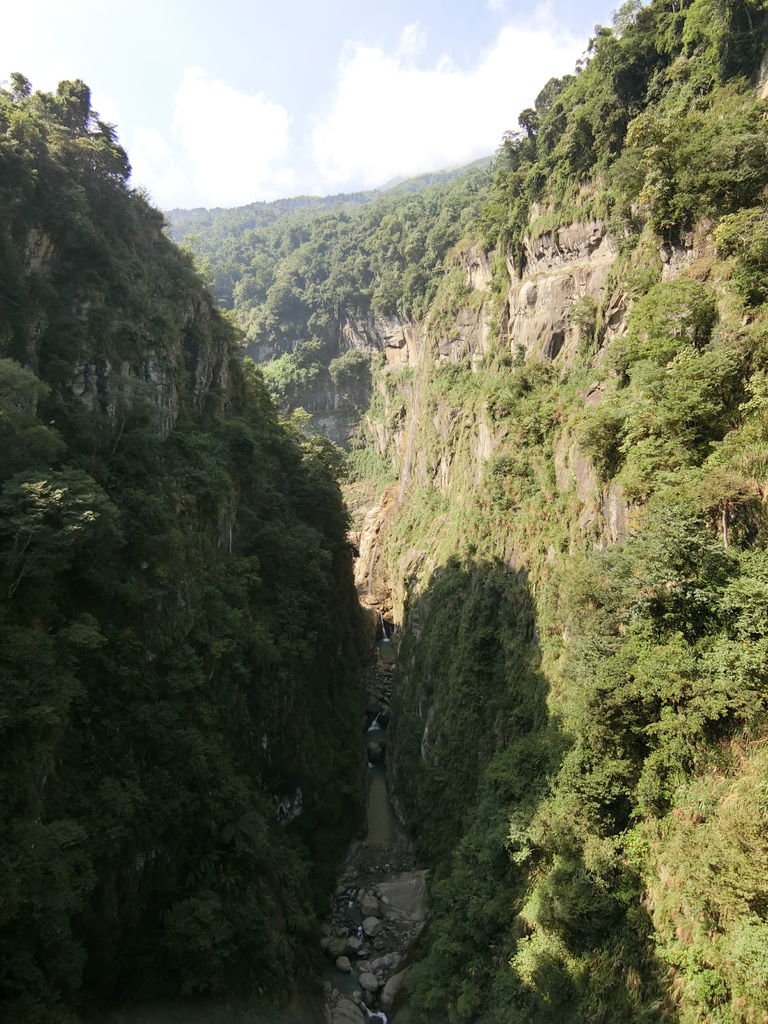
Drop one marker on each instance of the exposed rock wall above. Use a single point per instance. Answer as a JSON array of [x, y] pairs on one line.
[[558, 268], [399, 340], [181, 357]]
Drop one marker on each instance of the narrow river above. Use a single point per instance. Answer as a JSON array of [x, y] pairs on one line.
[[380, 904]]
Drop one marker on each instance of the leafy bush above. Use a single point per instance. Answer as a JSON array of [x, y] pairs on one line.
[[672, 316]]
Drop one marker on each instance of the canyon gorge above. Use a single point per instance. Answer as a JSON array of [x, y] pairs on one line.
[[384, 624]]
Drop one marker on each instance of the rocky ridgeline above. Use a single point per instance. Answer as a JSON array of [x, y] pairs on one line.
[[379, 908]]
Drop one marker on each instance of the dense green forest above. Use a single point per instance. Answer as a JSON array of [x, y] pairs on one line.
[[580, 710], [269, 254], [176, 608]]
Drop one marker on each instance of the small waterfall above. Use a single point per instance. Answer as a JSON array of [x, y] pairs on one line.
[[383, 628], [374, 724], [374, 1015]]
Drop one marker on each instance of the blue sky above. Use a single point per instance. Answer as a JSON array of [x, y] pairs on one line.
[[224, 102]]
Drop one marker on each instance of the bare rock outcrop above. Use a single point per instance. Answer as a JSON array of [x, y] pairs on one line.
[[558, 268]]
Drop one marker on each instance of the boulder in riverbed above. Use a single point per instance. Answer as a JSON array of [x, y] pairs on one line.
[[369, 982], [392, 989], [343, 964], [345, 1012], [369, 905], [337, 946], [372, 926], [388, 962], [404, 897]]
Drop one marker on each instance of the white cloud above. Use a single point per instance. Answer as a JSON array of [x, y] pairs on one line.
[[226, 147], [389, 115], [412, 41], [390, 118]]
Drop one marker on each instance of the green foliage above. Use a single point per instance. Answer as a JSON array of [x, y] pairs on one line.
[[314, 268], [584, 317], [351, 373], [308, 266], [658, 125], [702, 160], [744, 236], [291, 377], [674, 315]]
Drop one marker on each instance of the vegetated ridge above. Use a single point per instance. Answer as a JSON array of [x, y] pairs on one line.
[[176, 609]]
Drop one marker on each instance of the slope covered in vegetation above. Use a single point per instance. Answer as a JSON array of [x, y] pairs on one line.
[[583, 680], [176, 608], [313, 284]]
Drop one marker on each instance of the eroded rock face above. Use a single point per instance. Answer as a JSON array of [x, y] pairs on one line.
[[191, 347], [693, 246], [479, 273], [558, 269], [398, 339], [370, 579], [392, 989], [762, 86], [38, 251]]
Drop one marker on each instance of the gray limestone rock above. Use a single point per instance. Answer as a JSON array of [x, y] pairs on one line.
[[337, 946], [372, 926], [369, 982], [389, 962], [345, 1012], [369, 905], [392, 989], [405, 897]]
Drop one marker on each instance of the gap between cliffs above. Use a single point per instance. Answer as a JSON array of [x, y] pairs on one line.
[[379, 907]]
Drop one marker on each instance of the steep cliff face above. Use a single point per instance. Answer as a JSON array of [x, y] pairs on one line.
[[110, 312], [439, 440], [579, 499], [177, 610], [558, 269]]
